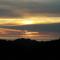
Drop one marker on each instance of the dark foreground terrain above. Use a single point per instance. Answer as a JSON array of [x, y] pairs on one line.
[[14, 48], [27, 43]]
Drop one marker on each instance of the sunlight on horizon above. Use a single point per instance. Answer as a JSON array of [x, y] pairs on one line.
[[28, 21], [12, 34]]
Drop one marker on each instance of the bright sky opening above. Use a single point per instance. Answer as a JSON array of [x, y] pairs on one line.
[[28, 21]]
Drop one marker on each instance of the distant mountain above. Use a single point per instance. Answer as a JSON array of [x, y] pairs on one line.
[[37, 27]]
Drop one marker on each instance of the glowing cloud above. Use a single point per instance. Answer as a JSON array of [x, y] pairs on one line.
[[30, 20]]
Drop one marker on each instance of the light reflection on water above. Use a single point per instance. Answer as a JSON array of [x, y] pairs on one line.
[[14, 34]]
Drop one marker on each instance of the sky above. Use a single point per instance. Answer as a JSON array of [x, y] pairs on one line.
[[20, 8], [32, 15], [28, 12]]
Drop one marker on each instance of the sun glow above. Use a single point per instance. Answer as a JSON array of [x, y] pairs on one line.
[[25, 22], [38, 20], [28, 21]]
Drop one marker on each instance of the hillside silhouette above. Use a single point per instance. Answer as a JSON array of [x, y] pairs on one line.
[[13, 49], [27, 43]]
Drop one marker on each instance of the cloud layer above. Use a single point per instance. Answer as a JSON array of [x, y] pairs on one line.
[[19, 8]]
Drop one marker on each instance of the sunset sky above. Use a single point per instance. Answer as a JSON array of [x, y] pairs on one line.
[[29, 21], [30, 12], [24, 12], [33, 15]]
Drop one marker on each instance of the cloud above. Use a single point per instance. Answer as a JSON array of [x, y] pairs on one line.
[[38, 27], [9, 32], [18, 8]]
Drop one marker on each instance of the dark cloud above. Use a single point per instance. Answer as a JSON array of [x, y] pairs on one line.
[[17, 8], [38, 27]]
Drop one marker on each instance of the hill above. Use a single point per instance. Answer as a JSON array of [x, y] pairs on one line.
[[27, 43]]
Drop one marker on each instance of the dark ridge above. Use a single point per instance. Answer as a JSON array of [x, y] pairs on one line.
[[27, 43]]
